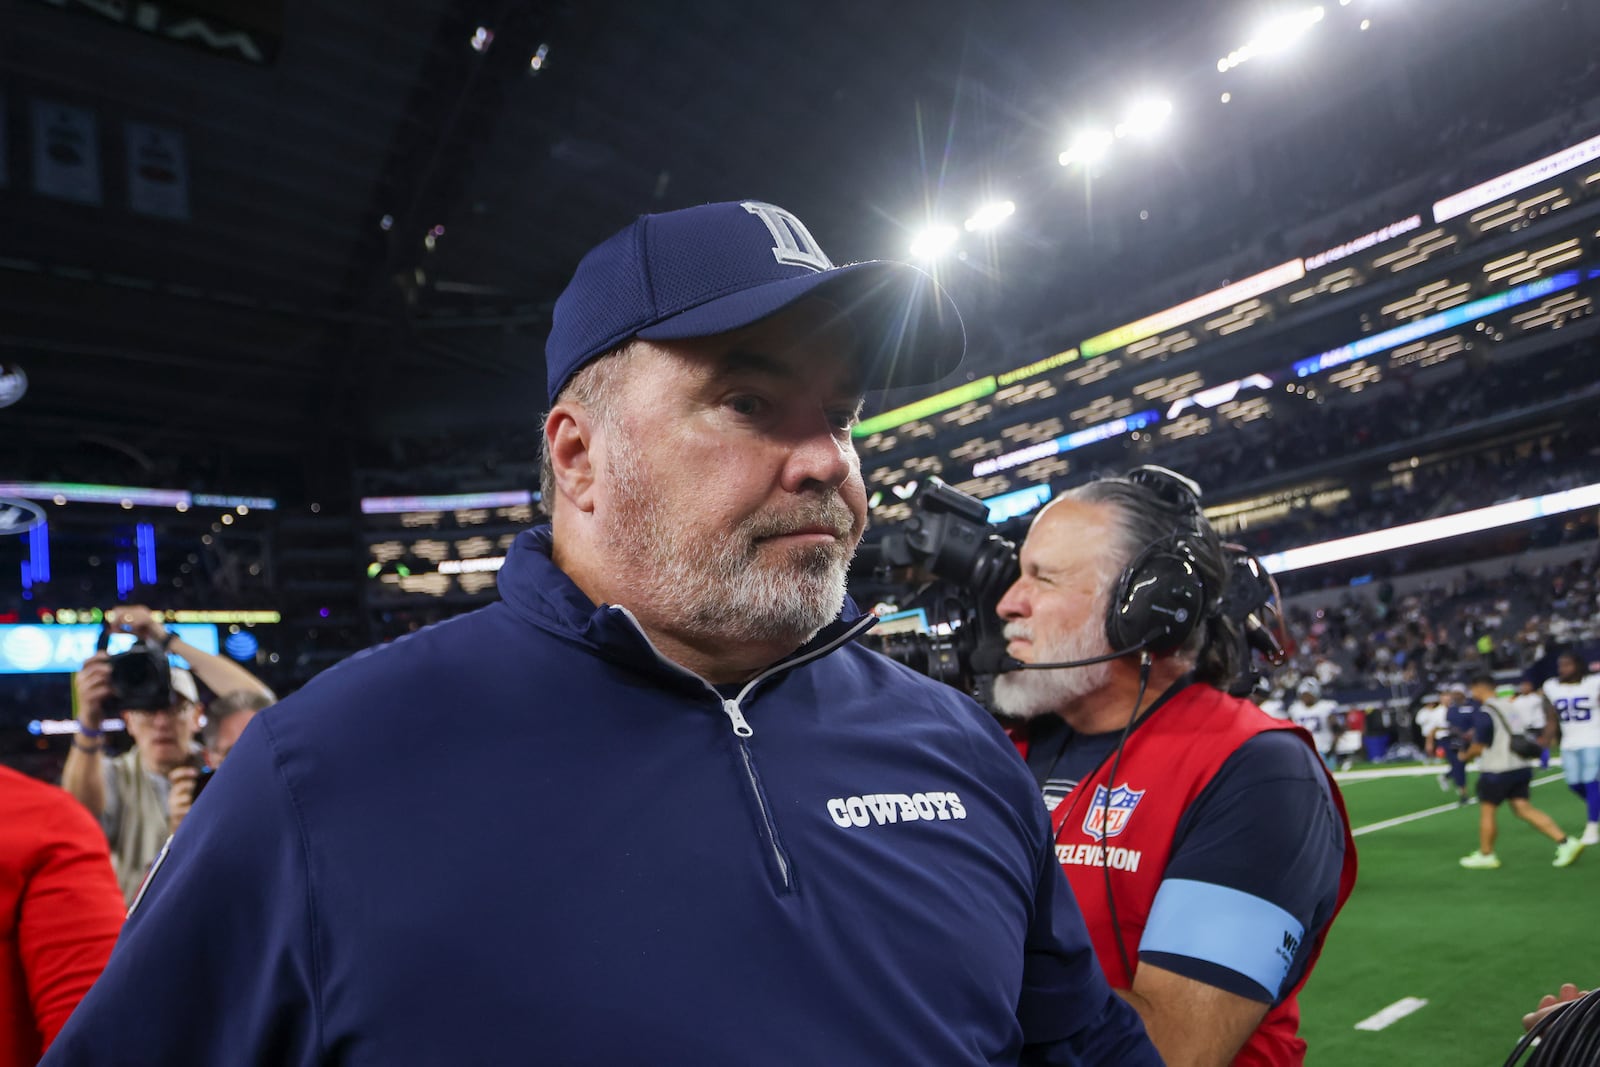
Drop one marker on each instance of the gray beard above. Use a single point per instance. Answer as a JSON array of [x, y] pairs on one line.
[[729, 588], [1028, 694]]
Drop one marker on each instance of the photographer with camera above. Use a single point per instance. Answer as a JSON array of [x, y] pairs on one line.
[[1204, 840], [141, 796]]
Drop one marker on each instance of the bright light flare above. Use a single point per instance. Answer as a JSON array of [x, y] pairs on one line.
[[1145, 118], [991, 215], [1274, 36], [1090, 146], [934, 241]]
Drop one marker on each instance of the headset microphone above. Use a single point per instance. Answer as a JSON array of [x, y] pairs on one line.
[[1007, 664]]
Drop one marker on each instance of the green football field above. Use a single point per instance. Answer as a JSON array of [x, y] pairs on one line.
[[1480, 946]]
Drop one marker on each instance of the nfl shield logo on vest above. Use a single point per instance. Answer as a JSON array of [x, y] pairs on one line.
[[1108, 818]]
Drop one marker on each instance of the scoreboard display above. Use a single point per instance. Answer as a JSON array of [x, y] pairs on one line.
[[440, 548]]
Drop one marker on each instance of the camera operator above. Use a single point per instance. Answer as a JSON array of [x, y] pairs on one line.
[[1205, 840], [130, 794]]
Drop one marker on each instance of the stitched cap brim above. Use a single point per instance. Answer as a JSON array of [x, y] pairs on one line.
[[910, 329]]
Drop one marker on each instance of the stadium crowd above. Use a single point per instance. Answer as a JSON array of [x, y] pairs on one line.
[[1408, 643]]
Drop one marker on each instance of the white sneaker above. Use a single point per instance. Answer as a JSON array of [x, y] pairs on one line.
[[1591, 834]]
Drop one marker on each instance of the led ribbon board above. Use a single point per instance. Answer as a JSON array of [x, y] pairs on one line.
[[471, 566], [1444, 320], [394, 505], [82, 493], [1364, 242], [29, 649], [1060, 359], [1217, 395], [1066, 442], [1442, 528], [1517, 180], [950, 398], [1200, 306]]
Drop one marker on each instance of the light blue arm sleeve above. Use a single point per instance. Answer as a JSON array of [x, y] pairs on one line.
[[1227, 927]]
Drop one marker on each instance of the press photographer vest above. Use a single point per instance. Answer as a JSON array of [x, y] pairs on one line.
[[1168, 761], [142, 828]]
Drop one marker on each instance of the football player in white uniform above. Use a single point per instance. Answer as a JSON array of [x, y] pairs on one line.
[[1529, 706], [1574, 696], [1430, 724], [1315, 716]]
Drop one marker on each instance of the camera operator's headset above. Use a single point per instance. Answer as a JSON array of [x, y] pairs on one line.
[[1161, 598]]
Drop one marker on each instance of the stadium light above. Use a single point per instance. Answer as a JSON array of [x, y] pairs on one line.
[[991, 215], [1145, 118], [1090, 146], [1272, 37], [934, 241]]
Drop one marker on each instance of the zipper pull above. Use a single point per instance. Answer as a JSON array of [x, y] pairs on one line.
[[735, 716]]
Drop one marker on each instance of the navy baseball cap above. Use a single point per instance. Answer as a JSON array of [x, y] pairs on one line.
[[718, 267]]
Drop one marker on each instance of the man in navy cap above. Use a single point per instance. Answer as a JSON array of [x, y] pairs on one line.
[[657, 805]]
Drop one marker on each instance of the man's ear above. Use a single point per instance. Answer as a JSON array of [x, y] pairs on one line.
[[569, 440]]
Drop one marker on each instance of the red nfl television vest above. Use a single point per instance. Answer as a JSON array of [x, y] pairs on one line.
[[1168, 761]]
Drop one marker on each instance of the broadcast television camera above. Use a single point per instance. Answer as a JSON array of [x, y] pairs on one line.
[[965, 568]]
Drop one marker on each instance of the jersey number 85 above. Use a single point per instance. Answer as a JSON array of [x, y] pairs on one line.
[[1574, 709]]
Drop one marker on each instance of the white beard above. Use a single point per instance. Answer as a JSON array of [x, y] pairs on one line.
[[1027, 694], [729, 588]]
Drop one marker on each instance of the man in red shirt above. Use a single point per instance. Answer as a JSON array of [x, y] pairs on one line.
[[60, 912], [1204, 840]]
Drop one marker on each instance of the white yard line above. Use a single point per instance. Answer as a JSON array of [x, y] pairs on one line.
[[1416, 771], [1392, 1014], [1425, 812]]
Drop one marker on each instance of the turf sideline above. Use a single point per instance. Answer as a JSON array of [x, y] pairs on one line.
[[1425, 812], [1413, 771]]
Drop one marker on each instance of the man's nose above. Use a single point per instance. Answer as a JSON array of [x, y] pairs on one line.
[[1014, 604], [818, 455]]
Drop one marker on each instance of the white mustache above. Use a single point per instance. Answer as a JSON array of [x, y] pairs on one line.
[[1015, 631], [831, 513]]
